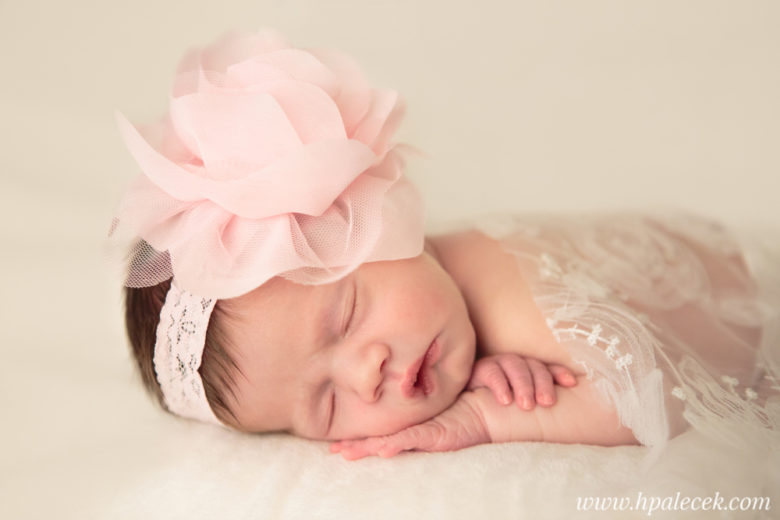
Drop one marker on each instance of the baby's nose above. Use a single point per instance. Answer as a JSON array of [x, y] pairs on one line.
[[364, 371]]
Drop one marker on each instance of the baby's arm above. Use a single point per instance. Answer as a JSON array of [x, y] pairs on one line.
[[579, 417], [477, 417]]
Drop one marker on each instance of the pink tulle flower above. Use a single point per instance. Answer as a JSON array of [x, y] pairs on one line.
[[271, 161]]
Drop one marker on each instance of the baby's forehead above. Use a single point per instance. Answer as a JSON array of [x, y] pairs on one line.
[[279, 315], [273, 297], [261, 311]]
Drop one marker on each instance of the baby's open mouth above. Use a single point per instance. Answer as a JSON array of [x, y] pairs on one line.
[[419, 378]]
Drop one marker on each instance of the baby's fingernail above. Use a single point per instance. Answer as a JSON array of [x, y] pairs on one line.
[[505, 399], [527, 404], [545, 399]]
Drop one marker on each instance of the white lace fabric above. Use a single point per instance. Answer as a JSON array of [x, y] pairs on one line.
[[178, 352], [675, 319]]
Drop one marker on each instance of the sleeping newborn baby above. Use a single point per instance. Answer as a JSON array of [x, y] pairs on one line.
[[280, 280], [459, 345], [385, 354], [393, 345]]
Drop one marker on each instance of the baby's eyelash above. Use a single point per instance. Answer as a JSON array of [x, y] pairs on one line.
[[332, 410], [352, 307]]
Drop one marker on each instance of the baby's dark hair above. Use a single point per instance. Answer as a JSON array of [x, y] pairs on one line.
[[218, 367]]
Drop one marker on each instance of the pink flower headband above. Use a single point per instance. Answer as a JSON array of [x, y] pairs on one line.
[[272, 161]]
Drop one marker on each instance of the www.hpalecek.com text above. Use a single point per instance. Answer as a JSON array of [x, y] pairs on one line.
[[678, 502]]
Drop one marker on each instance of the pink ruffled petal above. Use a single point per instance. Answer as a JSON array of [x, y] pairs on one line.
[[235, 47], [167, 175], [162, 137], [188, 226], [269, 250], [402, 221], [384, 104], [145, 206], [254, 75], [312, 112], [306, 182], [187, 76], [286, 186], [354, 96], [302, 66], [233, 134]]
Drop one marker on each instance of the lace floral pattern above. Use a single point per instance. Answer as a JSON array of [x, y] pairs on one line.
[[178, 353], [656, 310]]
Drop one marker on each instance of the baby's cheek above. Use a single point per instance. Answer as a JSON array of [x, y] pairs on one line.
[[456, 373]]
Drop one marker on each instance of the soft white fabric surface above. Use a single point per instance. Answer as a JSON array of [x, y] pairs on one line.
[[519, 105], [210, 475]]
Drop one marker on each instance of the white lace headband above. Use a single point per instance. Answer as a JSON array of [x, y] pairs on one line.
[[181, 336]]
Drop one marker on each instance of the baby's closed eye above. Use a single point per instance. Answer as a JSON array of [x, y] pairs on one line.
[[350, 305]]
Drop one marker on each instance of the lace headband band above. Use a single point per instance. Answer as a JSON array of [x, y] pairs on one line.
[[181, 336]]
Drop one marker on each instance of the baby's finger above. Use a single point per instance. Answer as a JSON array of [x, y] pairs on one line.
[[385, 446], [490, 374], [418, 437], [357, 449], [562, 375], [543, 383], [520, 379], [423, 437]]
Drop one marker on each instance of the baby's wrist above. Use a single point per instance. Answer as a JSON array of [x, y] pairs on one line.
[[504, 423], [481, 400]]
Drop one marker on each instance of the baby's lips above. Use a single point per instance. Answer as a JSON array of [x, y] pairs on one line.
[[409, 384], [410, 377]]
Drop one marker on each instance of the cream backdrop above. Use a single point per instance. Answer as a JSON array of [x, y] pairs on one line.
[[518, 105]]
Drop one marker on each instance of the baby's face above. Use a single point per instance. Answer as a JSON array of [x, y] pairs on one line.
[[343, 360]]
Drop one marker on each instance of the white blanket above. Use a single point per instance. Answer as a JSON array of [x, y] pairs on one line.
[[214, 475]]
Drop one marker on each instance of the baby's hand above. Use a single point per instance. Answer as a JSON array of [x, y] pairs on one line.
[[459, 426], [529, 379]]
